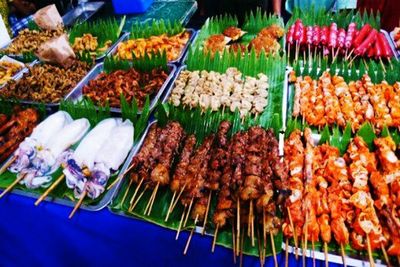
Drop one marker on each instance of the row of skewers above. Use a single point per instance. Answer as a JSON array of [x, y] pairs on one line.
[[351, 199], [362, 41], [332, 101], [243, 172], [87, 158]]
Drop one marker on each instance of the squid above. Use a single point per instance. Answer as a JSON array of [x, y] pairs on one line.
[[110, 157], [50, 157], [39, 138]]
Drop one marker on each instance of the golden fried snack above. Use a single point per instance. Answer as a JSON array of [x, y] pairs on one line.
[[131, 83], [172, 45], [214, 43], [8, 70], [89, 43], [233, 32], [46, 83], [274, 31]]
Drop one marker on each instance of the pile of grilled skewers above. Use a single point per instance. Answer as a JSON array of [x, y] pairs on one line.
[[15, 128], [362, 41], [231, 90], [351, 199], [266, 40], [46, 83], [243, 171], [30, 40], [332, 101], [132, 84], [171, 45]]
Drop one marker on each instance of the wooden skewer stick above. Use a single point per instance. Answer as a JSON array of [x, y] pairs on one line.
[[191, 234], [177, 199], [383, 65], [371, 259], [206, 215], [238, 227], [264, 231], [149, 201], [188, 213], [385, 255], [170, 206], [126, 191], [294, 233], [286, 252], [326, 254], [249, 221], [78, 204], [343, 255], [273, 248], [11, 186], [260, 248], [132, 207], [7, 164], [233, 243], [51, 188], [180, 223], [305, 245], [252, 222], [241, 248], [120, 176], [136, 191], [313, 251], [215, 238], [154, 197]]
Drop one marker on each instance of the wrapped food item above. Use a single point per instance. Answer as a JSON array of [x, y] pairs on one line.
[[57, 50], [48, 18]]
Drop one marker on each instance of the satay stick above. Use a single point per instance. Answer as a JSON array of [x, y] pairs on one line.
[[78, 204], [241, 248], [313, 251], [286, 252], [153, 199], [238, 226], [305, 245], [126, 191], [177, 199], [343, 255], [214, 238], [294, 232], [233, 243], [170, 206], [136, 191], [7, 164], [385, 255], [51, 188], [326, 254], [260, 250], [190, 236], [132, 207], [383, 65], [273, 248], [11, 186], [252, 222], [188, 213], [371, 259], [206, 215], [180, 223]]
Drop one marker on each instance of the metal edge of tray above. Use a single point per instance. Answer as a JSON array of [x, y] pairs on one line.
[[104, 201], [392, 43], [177, 61], [19, 73], [184, 59], [76, 93], [112, 47], [76, 12], [47, 105]]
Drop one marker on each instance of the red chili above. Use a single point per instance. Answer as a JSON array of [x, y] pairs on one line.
[[316, 35], [362, 49], [384, 44], [365, 30]]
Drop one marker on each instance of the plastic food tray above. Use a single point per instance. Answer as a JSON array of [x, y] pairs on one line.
[[182, 55], [47, 105], [76, 93]]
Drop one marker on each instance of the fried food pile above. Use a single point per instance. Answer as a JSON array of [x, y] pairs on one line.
[[132, 84], [171, 45], [30, 40], [89, 43], [8, 70], [46, 83]]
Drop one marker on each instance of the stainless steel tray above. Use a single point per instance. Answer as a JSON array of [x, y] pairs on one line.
[[81, 13], [193, 34], [101, 57], [47, 105], [67, 202], [20, 72], [390, 37], [76, 93]]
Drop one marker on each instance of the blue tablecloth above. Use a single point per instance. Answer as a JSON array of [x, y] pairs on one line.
[[44, 236]]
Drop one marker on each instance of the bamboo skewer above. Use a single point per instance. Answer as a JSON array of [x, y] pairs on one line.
[[180, 223], [78, 204], [7, 164], [238, 227], [170, 206], [305, 245], [177, 199], [136, 191], [326, 254], [153, 198], [313, 251], [260, 248], [132, 207], [191, 234], [241, 249], [294, 234], [214, 238], [126, 191], [206, 215], [120, 176], [233, 243], [385, 255], [51, 188], [11, 186], [343, 255], [371, 259], [252, 222], [273, 248], [188, 213], [286, 252]]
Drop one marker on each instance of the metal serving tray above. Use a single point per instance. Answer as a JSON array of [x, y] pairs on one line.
[[390, 37], [193, 34], [76, 93], [112, 47], [90, 207], [20, 72], [81, 13], [47, 105]]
